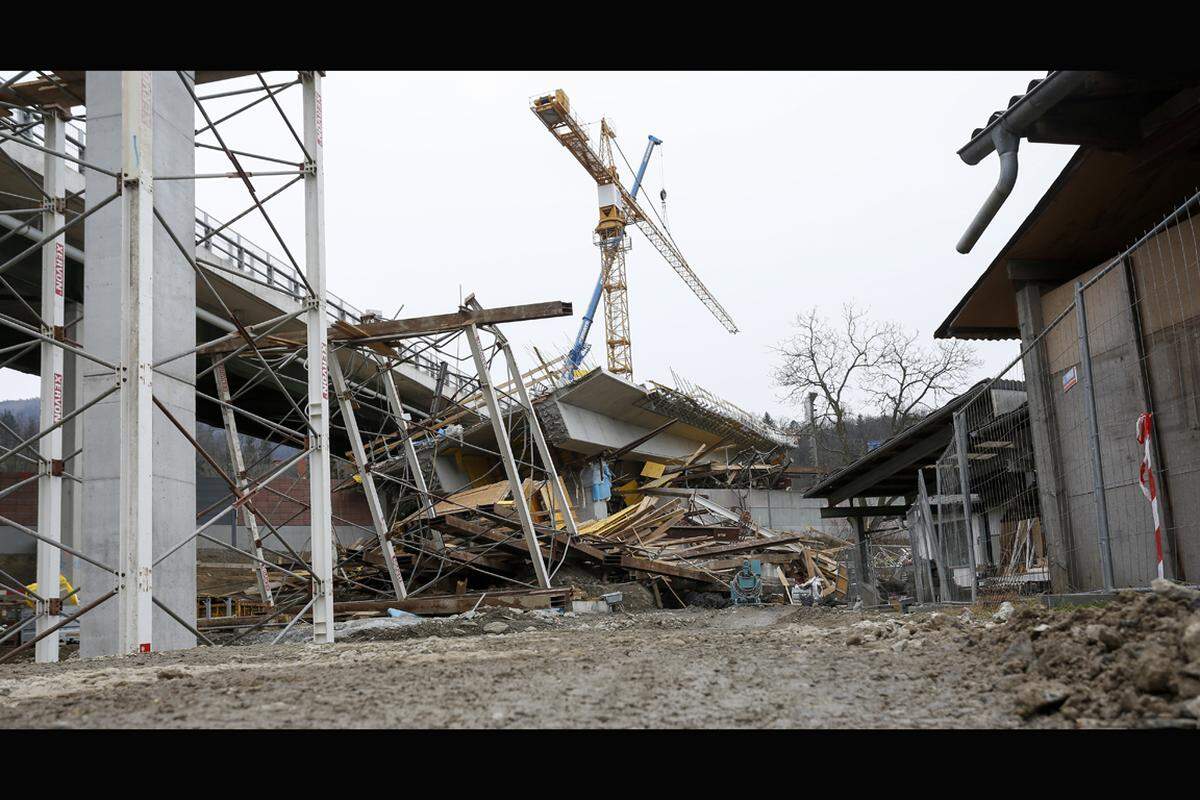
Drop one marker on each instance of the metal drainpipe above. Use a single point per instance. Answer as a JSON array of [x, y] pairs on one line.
[[1006, 144]]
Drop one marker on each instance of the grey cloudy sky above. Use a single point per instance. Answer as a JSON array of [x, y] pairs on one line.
[[786, 190]]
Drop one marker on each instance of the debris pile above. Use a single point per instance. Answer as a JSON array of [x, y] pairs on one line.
[[677, 544], [1134, 660]]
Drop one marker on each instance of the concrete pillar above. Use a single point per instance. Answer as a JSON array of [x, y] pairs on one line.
[[862, 564], [72, 494], [172, 301], [1043, 429]]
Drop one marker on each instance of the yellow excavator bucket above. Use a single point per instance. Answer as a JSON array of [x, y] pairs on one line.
[[64, 588]]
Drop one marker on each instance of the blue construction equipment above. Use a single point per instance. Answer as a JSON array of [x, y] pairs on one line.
[[580, 348], [746, 586]]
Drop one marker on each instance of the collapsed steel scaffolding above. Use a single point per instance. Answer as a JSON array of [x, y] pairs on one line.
[[263, 354]]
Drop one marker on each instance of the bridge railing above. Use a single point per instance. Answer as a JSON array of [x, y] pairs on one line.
[[246, 258], [260, 266]]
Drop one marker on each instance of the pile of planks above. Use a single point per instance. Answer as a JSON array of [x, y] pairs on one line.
[[688, 536], [677, 536]]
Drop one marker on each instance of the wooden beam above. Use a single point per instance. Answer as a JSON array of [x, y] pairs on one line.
[[766, 558], [380, 333], [934, 442], [1025, 270], [514, 540], [843, 512], [70, 90], [460, 603], [751, 544], [663, 568], [442, 323]]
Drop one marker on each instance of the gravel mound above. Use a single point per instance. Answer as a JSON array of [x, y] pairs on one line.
[[1134, 661]]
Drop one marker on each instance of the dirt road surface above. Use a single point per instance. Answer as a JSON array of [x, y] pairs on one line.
[[746, 667], [764, 667]]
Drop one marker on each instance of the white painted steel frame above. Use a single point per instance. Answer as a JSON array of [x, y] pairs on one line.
[[320, 506], [238, 462], [137, 373], [504, 447], [378, 518], [50, 481]]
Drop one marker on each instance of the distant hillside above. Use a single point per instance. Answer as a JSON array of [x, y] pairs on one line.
[[19, 420], [21, 409]]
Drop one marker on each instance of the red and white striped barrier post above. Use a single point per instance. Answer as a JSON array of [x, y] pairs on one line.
[[1146, 479]]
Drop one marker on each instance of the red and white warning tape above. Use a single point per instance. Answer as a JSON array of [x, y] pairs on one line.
[[1146, 479]]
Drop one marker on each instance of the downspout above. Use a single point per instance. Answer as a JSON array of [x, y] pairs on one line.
[[1004, 134], [1006, 144]]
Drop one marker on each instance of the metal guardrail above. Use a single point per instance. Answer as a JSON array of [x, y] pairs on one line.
[[261, 267], [257, 264], [246, 258]]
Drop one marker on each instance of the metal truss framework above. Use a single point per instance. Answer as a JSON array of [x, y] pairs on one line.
[[133, 376], [387, 462]]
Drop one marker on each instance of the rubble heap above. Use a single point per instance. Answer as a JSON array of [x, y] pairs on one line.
[[1135, 660]]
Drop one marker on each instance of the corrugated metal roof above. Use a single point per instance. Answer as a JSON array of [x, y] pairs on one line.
[[938, 423]]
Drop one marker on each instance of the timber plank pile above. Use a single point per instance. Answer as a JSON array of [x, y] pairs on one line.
[[680, 538], [468, 547]]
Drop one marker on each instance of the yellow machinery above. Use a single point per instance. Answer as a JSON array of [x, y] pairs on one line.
[[65, 590]]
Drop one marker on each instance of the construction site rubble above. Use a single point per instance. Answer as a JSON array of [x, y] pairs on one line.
[[1136, 659]]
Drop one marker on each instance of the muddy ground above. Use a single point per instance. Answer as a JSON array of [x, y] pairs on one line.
[[769, 667]]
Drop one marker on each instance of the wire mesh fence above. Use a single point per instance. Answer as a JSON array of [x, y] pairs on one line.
[[1078, 465]]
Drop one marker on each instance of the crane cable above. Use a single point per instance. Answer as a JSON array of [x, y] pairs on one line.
[[652, 209], [662, 179]]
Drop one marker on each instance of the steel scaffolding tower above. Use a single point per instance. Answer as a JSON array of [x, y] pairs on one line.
[[363, 359]]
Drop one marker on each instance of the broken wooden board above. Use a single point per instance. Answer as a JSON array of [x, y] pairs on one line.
[[746, 546], [445, 604], [652, 567], [468, 499]]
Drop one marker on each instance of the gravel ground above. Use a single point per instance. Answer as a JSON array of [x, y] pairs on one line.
[[767, 667]]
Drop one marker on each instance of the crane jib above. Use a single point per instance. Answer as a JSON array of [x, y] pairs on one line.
[[553, 110]]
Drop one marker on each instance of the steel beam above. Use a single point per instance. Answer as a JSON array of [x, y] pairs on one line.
[[378, 518], [504, 447], [137, 351], [964, 486], [556, 488], [410, 450], [238, 462]]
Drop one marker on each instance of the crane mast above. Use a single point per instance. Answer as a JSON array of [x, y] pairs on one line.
[[618, 207]]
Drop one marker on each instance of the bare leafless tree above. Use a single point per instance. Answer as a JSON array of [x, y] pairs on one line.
[[857, 364]]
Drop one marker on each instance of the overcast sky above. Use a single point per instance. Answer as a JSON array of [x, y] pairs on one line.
[[785, 191]]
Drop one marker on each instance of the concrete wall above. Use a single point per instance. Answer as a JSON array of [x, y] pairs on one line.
[[1144, 340], [782, 510], [174, 466], [298, 536]]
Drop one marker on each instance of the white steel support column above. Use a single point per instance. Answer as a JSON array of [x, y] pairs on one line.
[[137, 334], [320, 501], [410, 453], [556, 488], [50, 482], [238, 462], [368, 483], [504, 446]]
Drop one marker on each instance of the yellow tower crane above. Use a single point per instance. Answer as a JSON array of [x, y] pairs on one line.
[[618, 207]]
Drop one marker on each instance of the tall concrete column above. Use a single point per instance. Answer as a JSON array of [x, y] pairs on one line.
[[1043, 428], [72, 492], [167, 302]]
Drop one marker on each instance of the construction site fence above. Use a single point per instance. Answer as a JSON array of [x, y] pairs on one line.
[[1077, 467]]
